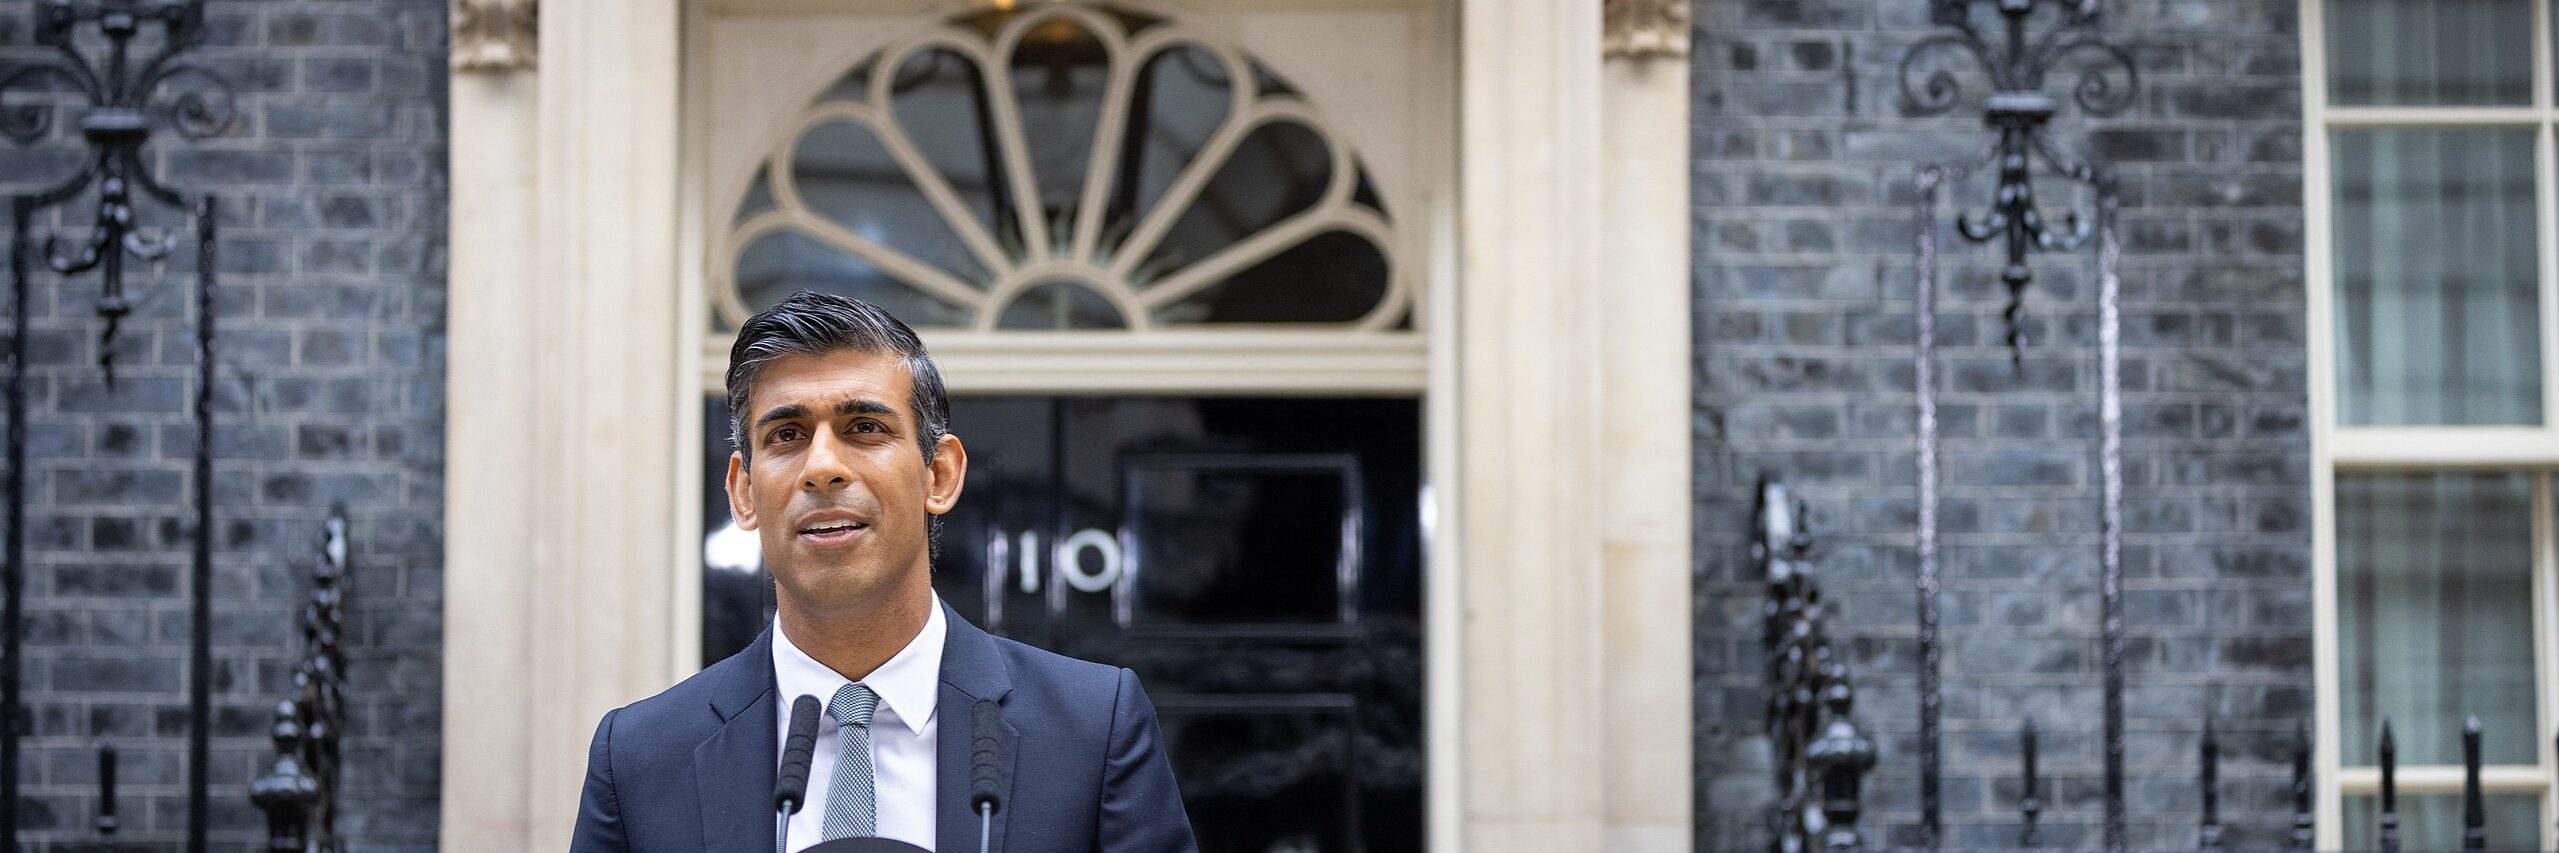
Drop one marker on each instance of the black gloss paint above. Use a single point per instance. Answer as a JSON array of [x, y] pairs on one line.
[[1257, 561]]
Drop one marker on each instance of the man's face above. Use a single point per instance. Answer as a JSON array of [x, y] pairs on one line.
[[836, 486]]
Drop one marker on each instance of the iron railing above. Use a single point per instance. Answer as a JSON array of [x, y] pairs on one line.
[[1822, 755], [300, 793]]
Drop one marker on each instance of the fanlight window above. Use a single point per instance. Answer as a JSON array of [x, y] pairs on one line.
[[1077, 167]]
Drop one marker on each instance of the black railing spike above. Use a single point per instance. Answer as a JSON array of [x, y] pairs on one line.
[[2303, 822], [106, 823], [2389, 789], [2030, 803], [2474, 806], [2208, 837]]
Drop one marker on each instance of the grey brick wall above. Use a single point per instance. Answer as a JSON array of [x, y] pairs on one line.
[[1803, 233], [330, 391]]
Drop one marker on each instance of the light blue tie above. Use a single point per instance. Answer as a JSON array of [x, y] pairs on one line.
[[852, 808]]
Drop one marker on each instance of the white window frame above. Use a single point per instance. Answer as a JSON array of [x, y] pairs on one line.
[[1362, 357], [2337, 449]]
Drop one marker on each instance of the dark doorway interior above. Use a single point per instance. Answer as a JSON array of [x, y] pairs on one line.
[[1257, 561]]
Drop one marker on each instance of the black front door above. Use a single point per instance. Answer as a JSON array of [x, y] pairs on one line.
[[1257, 561]]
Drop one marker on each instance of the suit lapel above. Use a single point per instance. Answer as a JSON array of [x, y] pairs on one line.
[[733, 770], [971, 671]]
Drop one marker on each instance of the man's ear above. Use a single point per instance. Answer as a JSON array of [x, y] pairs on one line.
[[741, 494], [943, 478]]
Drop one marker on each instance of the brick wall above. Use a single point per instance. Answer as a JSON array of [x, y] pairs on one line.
[[330, 392], [1803, 242]]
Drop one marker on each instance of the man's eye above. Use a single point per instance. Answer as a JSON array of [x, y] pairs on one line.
[[785, 434], [866, 426]]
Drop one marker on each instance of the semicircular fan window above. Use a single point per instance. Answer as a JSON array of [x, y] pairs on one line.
[[1076, 167]]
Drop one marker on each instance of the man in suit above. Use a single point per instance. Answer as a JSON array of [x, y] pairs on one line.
[[843, 459]]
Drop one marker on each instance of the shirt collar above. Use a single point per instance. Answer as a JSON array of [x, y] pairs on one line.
[[907, 684]]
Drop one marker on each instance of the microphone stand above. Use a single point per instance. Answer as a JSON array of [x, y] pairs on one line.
[[791, 786], [986, 789]]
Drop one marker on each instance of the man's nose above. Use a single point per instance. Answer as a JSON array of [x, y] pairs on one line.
[[828, 466]]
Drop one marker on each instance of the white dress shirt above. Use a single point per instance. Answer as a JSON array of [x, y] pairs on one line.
[[903, 759]]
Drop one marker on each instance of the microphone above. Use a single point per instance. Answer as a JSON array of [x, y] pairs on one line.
[[984, 793], [986, 790], [791, 787]]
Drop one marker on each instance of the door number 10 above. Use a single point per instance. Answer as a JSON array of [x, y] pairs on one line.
[[1069, 559]]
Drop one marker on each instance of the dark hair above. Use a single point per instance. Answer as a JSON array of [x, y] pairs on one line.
[[812, 323]]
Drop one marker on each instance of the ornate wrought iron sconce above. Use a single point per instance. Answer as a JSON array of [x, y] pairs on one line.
[[2018, 108], [121, 99], [123, 104], [2036, 38]]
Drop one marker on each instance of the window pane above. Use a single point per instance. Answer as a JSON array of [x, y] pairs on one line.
[[2435, 588], [2433, 821], [1061, 305], [782, 263], [939, 102], [1333, 277], [2395, 52], [1187, 99], [2437, 299], [845, 173], [1059, 77], [1279, 170]]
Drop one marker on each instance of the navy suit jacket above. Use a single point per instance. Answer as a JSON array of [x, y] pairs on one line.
[[692, 769]]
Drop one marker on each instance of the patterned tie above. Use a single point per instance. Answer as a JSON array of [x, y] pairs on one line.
[[852, 808]]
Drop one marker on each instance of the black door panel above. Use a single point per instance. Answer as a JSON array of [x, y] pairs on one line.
[[1257, 561]]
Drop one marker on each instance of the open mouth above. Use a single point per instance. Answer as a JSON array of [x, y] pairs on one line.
[[825, 533]]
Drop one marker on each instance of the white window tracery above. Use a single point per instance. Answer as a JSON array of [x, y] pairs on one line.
[[1073, 168]]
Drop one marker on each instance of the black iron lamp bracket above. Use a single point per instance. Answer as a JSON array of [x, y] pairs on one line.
[[2019, 110], [124, 98], [2020, 48], [124, 87]]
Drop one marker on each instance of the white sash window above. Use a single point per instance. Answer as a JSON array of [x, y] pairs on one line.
[[2429, 197]]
